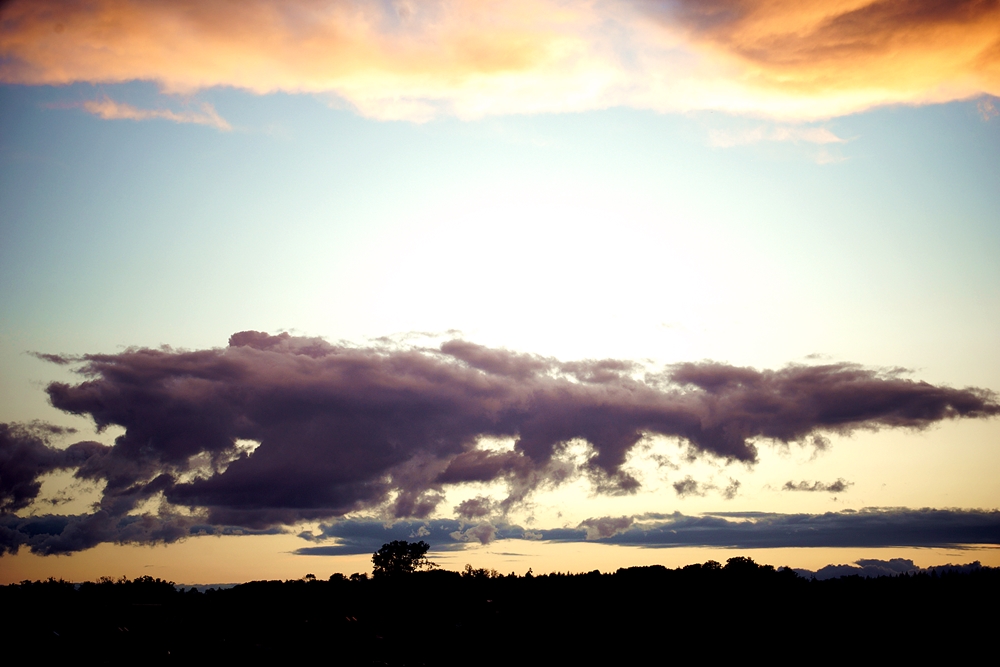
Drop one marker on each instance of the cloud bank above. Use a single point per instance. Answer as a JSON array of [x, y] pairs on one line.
[[412, 59], [273, 430], [868, 528], [873, 527], [874, 567]]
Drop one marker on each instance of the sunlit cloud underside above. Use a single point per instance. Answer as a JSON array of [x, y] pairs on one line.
[[414, 60]]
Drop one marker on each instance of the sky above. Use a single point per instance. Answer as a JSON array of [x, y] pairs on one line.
[[551, 285]]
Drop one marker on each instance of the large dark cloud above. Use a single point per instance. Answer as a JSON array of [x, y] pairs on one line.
[[344, 428]]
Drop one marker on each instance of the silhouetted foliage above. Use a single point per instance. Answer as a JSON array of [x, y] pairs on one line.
[[400, 557], [480, 573], [739, 611]]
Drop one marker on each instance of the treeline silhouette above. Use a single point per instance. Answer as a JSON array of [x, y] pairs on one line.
[[700, 612]]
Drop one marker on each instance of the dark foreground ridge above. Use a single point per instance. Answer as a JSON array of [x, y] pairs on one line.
[[438, 617]]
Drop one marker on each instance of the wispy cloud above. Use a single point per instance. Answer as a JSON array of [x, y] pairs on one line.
[[987, 110], [811, 135], [692, 487], [109, 109], [392, 59]]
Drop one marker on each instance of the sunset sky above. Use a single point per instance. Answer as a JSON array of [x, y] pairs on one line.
[[550, 285]]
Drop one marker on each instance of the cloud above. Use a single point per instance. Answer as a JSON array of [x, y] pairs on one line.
[[839, 486], [605, 527], [50, 534], [109, 109], [26, 455], [360, 536], [386, 428], [849, 55], [812, 135], [691, 487], [873, 567], [475, 508], [732, 489], [688, 487], [60, 359], [392, 59], [484, 533], [869, 528], [865, 568], [987, 110]]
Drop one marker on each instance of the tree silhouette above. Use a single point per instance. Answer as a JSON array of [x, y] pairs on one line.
[[401, 557]]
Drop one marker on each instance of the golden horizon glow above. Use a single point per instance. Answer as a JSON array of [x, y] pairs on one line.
[[236, 559]]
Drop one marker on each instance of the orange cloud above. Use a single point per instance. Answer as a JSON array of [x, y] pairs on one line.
[[848, 55], [416, 59]]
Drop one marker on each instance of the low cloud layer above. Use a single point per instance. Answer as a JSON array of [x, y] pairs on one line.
[[864, 528], [54, 534], [418, 59], [874, 567], [869, 528], [273, 430]]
